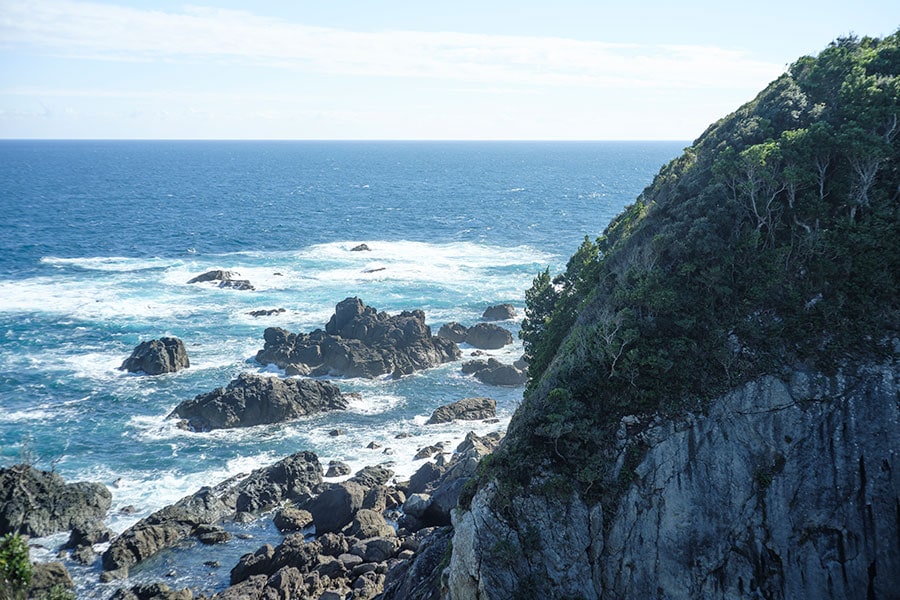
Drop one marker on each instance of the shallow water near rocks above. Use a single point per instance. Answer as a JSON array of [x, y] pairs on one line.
[[99, 240]]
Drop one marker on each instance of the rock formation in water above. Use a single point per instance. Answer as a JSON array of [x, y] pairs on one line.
[[359, 341], [256, 399], [155, 357]]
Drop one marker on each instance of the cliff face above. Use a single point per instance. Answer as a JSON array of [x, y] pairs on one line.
[[783, 489]]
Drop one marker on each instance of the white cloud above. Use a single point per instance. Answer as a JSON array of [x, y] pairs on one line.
[[202, 34]]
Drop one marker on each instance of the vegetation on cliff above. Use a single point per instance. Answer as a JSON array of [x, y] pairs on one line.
[[773, 241]]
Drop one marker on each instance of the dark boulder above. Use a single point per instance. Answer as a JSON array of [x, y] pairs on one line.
[[359, 341], [335, 507], [165, 355], [88, 534], [360, 248], [369, 523], [292, 519], [453, 331], [467, 409], [39, 503], [152, 591], [493, 372], [337, 468], [256, 399], [488, 336], [501, 312]]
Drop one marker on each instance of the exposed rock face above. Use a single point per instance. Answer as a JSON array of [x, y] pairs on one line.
[[467, 409], [155, 357], [48, 575], [420, 577], [292, 478], [39, 503], [225, 278], [359, 341], [782, 490], [501, 312], [493, 372], [488, 336], [255, 399]]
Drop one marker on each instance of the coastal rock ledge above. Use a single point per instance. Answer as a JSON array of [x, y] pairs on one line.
[[359, 341]]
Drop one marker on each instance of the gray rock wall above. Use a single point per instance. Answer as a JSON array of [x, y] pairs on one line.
[[782, 490]]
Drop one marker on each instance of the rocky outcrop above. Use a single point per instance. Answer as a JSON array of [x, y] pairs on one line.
[[485, 336], [359, 341], [488, 336], [225, 279], [266, 312], [39, 503], [501, 312], [47, 576], [467, 409], [291, 479], [152, 591], [493, 372], [782, 489], [155, 357], [360, 248], [256, 399]]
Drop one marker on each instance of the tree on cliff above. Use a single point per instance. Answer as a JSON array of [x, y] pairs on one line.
[[772, 241]]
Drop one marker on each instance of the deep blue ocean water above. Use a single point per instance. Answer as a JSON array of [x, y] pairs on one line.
[[99, 238]]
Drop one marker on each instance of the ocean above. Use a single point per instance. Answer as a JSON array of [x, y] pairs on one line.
[[99, 238]]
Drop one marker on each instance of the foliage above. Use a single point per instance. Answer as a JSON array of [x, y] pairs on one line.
[[15, 568], [772, 241]]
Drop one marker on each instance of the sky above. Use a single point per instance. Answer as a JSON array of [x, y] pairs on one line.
[[402, 69]]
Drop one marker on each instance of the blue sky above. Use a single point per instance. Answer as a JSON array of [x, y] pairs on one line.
[[565, 69]]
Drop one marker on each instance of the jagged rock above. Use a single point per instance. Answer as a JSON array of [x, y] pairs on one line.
[[39, 503], [334, 508], [377, 549], [152, 591], [250, 588], [359, 341], [488, 336], [256, 399], [266, 312], [369, 523], [454, 332], [420, 577], [372, 475], [88, 534], [337, 468], [225, 278], [292, 478], [253, 563], [360, 248], [155, 357], [292, 519], [427, 452], [493, 372], [337, 432], [467, 409], [333, 544], [47, 575], [754, 497], [425, 475], [84, 555], [501, 312], [215, 275]]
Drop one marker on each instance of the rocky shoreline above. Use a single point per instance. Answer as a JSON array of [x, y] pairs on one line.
[[368, 535]]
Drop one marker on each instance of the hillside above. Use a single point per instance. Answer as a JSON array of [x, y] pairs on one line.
[[769, 251]]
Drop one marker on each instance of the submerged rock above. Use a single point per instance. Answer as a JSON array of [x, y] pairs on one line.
[[155, 357], [256, 399], [39, 503], [359, 341], [467, 409]]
